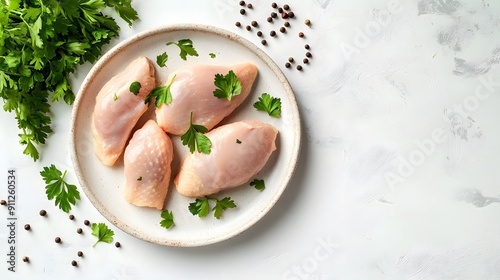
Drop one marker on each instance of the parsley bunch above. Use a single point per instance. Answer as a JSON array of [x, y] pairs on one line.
[[41, 43]]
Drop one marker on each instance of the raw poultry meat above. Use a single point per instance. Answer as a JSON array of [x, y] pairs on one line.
[[117, 109], [147, 166], [192, 91], [239, 151]]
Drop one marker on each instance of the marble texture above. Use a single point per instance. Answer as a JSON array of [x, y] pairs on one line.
[[398, 175]]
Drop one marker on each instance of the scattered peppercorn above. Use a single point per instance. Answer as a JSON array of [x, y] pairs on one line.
[[242, 3], [74, 263], [282, 29], [290, 59], [43, 213], [287, 24], [57, 239], [307, 46], [272, 33], [238, 24], [242, 11], [117, 244], [80, 254], [305, 60], [259, 33], [301, 34], [274, 15], [249, 6], [307, 22], [27, 227], [291, 15], [26, 259], [71, 217], [263, 42], [299, 67], [280, 10], [254, 23], [274, 5], [86, 222], [288, 65], [284, 15], [269, 19], [308, 54], [79, 230], [249, 27], [3, 202], [286, 7]]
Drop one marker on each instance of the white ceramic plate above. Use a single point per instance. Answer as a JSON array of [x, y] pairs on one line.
[[103, 185]]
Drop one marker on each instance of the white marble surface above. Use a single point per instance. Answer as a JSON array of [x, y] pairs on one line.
[[398, 175]]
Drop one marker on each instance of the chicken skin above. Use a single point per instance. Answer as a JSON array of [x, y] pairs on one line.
[[239, 151], [117, 109], [147, 166], [192, 91]]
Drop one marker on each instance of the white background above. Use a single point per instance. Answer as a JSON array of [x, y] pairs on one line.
[[398, 174]]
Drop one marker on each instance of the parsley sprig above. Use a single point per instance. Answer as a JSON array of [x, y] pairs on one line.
[[258, 184], [227, 85], [269, 104], [102, 232], [186, 47], [41, 43], [201, 206], [195, 139], [162, 94], [167, 219], [64, 193]]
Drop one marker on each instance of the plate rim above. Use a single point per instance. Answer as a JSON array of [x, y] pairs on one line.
[[297, 140]]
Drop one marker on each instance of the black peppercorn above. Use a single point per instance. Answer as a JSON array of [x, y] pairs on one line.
[[263, 42], [254, 23], [27, 227], [117, 244], [238, 24], [291, 15], [272, 33], [301, 34], [274, 15], [290, 59], [308, 54], [86, 222], [259, 33], [282, 29], [71, 217], [287, 24], [43, 213], [307, 22], [280, 10], [305, 60], [74, 263], [274, 5], [249, 6], [307, 46], [80, 254], [269, 19], [79, 230], [286, 7], [58, 239], [242, 3], [299, 67], [26, 259], [248, 27], [3, 202], [242, 11], [288, 65]]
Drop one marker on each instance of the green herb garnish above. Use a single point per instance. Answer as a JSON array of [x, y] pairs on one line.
[[64, 193], [195, 139], [168, 219], [102, 232], [269, 104], [162, 94], [227, 86], [258, 184], [186, 47], [201, 206]]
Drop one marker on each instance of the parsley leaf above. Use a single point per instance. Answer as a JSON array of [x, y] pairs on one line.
[[64, 193], [186, 47], [102, 232], [212, 55], [161, 59], [124, 9], [162, 94], [195, 139], [222, 205], [228, 85], [139, 179], [201, 206], [135, 87], [258, 184], [238, 141], [115, 97], [168, 219], [269, 104]]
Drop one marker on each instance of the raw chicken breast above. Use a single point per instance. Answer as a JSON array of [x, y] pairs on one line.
[[117, 110], [147, 161], [192, 91], [239, 151]]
